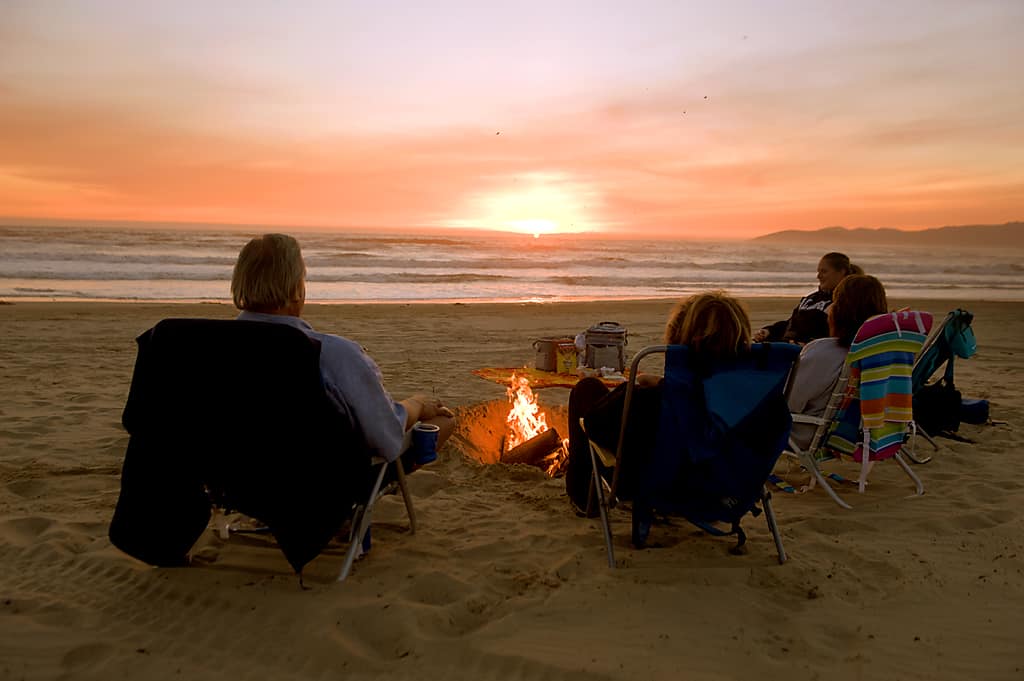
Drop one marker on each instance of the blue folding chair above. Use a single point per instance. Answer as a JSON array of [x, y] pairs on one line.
[[721, 428], [953, 338]]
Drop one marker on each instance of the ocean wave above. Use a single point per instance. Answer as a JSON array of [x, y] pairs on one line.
[[58, 259], [93, 274], [86, 264], [118, 263], [624, 279], [409, 278]]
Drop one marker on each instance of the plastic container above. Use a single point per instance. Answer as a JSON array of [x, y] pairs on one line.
[[555, 354], [605, 346]]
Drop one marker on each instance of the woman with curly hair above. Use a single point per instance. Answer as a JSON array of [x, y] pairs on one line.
[[712, 324]]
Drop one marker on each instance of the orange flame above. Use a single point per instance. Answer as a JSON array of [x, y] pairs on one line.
[[525, 419]]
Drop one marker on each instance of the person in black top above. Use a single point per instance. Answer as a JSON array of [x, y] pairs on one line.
[[809, 319]]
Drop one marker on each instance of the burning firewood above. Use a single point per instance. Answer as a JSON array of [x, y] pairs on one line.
[[530, 439], [534, 450]]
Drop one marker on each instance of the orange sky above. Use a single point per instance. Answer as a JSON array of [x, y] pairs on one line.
[[660, 118]]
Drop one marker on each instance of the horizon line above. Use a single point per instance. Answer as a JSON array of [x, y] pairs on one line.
[[70, 223]]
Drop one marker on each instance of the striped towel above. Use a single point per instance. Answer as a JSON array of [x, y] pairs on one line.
[[879, 394], [781, 484]]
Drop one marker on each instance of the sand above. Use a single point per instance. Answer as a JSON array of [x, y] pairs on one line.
[[502, 581]]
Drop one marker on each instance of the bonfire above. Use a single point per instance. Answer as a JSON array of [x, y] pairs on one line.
[[530, 439]]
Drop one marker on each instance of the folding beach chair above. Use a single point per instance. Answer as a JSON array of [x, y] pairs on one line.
[[869, 414], [951, 339], [233, 414], [720, 430]]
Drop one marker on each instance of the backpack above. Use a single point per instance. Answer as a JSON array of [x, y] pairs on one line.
[[937, 407]]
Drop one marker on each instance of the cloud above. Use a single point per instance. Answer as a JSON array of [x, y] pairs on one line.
[[898, 130]]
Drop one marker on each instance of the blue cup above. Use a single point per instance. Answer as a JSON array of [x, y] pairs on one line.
[[424, 442]]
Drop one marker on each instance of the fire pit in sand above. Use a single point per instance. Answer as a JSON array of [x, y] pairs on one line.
[[529, 439]]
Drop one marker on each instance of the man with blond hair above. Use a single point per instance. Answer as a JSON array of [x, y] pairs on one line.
[[269, 285]]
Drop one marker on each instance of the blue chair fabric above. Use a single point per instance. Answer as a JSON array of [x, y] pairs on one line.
[[722, 427]]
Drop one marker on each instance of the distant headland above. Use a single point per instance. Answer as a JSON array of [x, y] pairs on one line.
[[1010, 234]]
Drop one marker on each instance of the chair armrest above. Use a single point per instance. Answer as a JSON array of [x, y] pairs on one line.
[[607, 456]]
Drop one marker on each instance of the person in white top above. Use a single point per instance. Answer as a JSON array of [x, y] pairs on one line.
[[857, 298], [268, 284]]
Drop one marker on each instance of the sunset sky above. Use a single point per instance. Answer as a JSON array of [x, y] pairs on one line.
[[691, 119]]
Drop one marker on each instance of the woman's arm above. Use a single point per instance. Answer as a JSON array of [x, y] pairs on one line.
[[647, 380], [816, 372]]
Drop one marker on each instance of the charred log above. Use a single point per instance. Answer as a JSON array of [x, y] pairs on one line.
[[534, 450]]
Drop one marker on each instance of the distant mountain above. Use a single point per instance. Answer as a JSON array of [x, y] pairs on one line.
[[993, 236]]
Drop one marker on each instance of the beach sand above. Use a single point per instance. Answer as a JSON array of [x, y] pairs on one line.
[[502, 581]]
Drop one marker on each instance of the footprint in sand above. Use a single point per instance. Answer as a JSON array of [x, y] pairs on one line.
[[25, 531], [85, 655]]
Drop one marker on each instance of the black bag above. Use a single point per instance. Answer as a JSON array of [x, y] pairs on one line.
[[937, 407]]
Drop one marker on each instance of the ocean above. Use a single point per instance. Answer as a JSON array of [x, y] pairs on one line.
[[161, 265]]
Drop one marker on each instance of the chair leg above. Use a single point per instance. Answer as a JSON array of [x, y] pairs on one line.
[[931, 441], [865, 462], [910, 452], [816, 472], [406, 497], [906, 469], [865, 471], [914, 457], [220, 523], [602, 504], [773, 526], [364, 524]]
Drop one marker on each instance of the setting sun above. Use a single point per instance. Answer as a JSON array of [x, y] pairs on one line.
[[537, 203], [534, 227]]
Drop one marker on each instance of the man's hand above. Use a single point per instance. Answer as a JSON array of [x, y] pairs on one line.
[[760, 336], [431, 406]]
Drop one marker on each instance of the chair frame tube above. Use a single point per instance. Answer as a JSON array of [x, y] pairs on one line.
[[365, 517], [608, 501], [807, 458]]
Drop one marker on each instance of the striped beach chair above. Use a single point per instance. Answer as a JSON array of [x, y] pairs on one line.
[[871, 409]]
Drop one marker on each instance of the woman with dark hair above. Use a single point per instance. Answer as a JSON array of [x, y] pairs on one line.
[[857, 298], [808, 320], [714, 325]]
